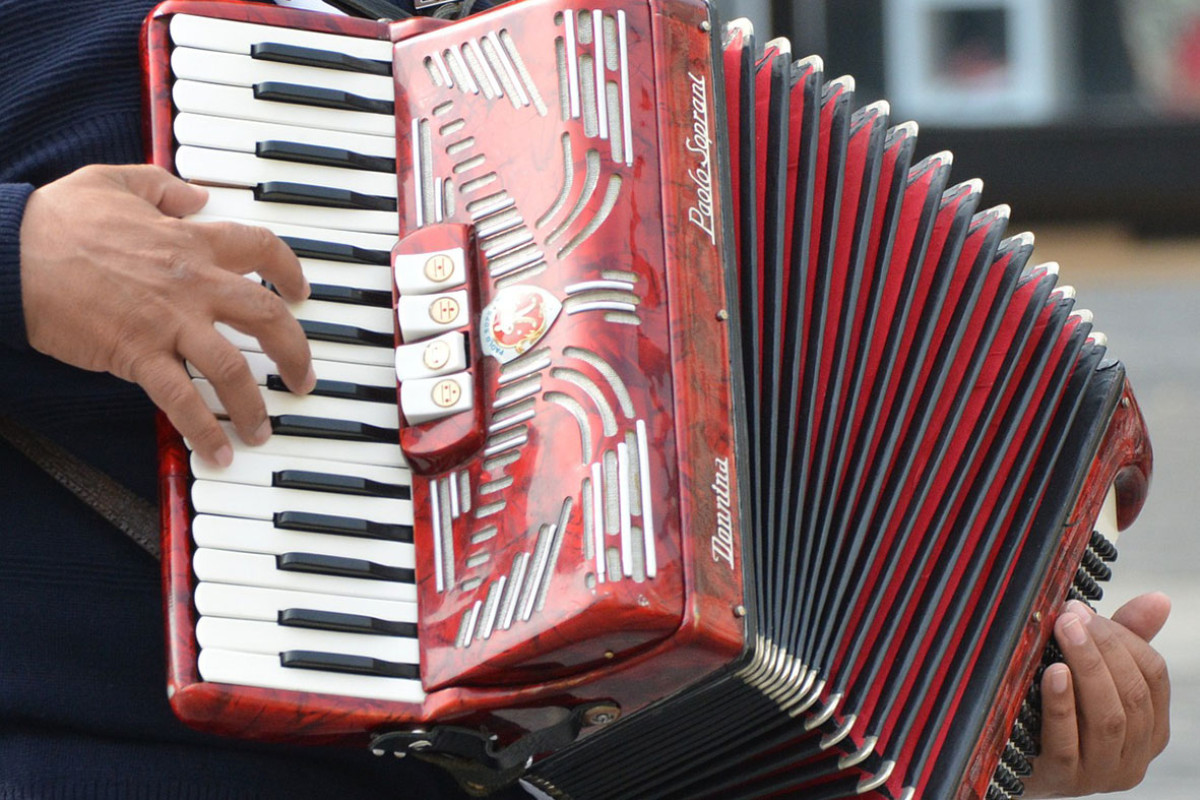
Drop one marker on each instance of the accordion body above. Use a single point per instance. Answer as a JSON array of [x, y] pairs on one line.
[[729, 452]]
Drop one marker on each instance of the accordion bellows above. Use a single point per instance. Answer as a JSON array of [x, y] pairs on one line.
[[745, 455]]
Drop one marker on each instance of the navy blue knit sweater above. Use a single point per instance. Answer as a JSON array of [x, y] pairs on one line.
[[83, 711]]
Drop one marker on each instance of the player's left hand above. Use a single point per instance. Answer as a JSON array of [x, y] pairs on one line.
[[1105, 712]]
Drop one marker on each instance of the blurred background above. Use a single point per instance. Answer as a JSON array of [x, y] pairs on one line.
[[1084, 116]]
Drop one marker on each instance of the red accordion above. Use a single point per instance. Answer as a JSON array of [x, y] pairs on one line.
[[677, 433]]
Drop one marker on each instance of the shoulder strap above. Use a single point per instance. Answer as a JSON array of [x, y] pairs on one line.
[[134, 516]]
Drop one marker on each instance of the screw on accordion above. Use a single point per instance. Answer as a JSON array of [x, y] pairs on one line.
[[678, 433]]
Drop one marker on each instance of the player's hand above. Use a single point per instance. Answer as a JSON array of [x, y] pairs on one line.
[[1105, 711], [113, 280]]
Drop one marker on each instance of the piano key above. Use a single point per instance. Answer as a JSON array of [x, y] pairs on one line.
[[239, 102], [350, 379], [366, 317], [321, 97], [254, 669], [426, 399], [323, 196], [255, 569], [380, 415], [351, 664], [438, 356], [269, 605], [326, 428], [345, 623], [261, 536], [314, 57], [341, 566], [358, 276], [246, 136], [300, 153], [231, 36], [251, 636], [244, 170], [424, 315], [377, 355], [383, 453], [345, 334], [260, 469], [349, 295], [264, 502], [342, 526], [240, 204], [375, 248], [230, 69]]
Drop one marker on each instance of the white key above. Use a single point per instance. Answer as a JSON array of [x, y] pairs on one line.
[[262, 366], [337, 273], [382, 453], [379, 414], [369, 318], [425, 315], [428, 399], [255, 602], [247, 171], [328, 351], [259, 502], [438, 271], [231, 36], [369, 241], [249, 636], [243, 135], [438, 356], [257, 469], [239, 102], [237, 70], [253, 569], [240, 204], [252, 669], [258, 536]]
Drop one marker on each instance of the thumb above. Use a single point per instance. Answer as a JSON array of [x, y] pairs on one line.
[[1145, 614], [160, 188]]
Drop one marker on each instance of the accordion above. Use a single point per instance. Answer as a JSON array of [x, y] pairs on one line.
[[678, 433]]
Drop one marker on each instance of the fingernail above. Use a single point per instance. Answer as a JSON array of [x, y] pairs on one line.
[[224, 456], [1083, 610], [310, 380], [1073, 629], [263, 432], [1056, 680]]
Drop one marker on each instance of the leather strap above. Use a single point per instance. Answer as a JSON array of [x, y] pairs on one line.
[[131, 514]]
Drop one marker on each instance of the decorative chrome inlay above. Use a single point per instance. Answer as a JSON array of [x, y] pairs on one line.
[[647, 499]]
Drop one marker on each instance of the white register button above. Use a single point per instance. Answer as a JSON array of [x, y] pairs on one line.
[[422, 273], [439, 356], [422, 316], [427, 399]]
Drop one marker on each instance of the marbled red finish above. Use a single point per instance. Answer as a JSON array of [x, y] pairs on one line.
[[1124, 461], [623, 641]]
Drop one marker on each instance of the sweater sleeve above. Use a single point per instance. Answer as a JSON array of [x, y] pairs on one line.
[[13, 197]]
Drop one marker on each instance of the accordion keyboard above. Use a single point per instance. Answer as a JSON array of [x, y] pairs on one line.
[[304, 557]]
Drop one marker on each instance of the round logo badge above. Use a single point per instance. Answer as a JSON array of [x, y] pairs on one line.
[[516, 319]]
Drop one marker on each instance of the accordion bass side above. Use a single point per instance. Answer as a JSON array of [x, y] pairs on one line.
[[676, 431]]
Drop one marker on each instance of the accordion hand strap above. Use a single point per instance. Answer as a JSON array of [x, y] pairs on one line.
[[131, 514]]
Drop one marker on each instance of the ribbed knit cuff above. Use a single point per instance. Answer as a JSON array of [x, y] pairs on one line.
[[13, 197]]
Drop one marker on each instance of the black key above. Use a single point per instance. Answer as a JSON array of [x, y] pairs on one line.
[[350, 295], [342, 526], [344, 623], [372, 9], [336, 251], [304, 194], [343, 389], [338, 484], [345, 334], [311, 57], [325, 428], [323, 156], [321, 97], [358, 665], [341, 567]]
